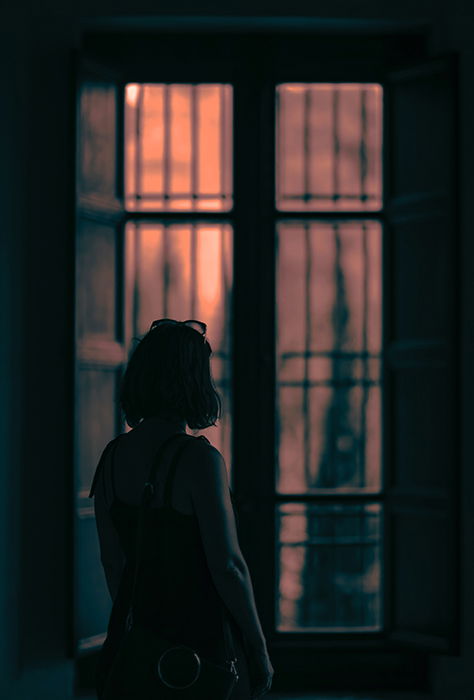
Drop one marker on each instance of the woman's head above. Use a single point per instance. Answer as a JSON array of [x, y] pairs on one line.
[[169, 374]]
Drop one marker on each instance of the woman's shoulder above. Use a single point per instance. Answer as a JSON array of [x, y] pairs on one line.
[[204, 447], [100, 465], [203, 462], [206, 472], [201, 451]]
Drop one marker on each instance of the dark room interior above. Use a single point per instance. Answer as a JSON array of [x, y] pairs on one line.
[[298, 176]]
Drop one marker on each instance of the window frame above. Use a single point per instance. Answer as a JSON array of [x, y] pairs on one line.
[[254, 287]]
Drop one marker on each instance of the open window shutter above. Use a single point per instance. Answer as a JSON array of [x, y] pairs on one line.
[[421, 363], [99, 342]]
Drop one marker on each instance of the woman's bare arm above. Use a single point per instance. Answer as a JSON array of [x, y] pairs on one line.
[[211, 499]]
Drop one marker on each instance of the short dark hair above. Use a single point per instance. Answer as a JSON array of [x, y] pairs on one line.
[[169, 374]]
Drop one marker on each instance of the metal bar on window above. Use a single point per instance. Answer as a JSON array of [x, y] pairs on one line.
[[194, 146], [307, 114], [166, 270], [364, 357], [314, 195], [279, 102], [222, 141], [363, 144], [331, 215], [166, 141], [179, 216], [336, 146], [139, 144], [193, 264], [305, 384], [178, 195]]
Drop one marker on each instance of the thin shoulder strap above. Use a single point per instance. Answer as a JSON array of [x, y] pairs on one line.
[[174, 464], [185, 440], [172, 470], [149, 488]]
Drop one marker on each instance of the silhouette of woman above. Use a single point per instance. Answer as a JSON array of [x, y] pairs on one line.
[[167, 384]]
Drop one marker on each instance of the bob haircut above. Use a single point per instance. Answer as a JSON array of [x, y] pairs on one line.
[[168, 374]]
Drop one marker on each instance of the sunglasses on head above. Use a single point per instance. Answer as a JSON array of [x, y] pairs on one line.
[[199, 326]]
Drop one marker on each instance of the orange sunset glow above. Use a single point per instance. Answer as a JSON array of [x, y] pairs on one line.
[[328, 343], [178, 147]]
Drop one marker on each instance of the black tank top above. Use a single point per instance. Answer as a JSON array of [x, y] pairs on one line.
[[175, 595]]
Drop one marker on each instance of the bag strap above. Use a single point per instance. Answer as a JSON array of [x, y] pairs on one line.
[[147, 496], [149, 486]]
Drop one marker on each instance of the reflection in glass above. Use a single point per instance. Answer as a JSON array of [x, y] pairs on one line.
[[329, 567], [328, 146], [178, 147], [182, 271], [328, 355]]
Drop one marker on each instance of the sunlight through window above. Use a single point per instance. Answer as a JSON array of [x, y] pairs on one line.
[[178, 154]]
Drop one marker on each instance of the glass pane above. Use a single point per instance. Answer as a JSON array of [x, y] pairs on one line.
[[184, 271], [328, 345], [96, 266], [178, 147], [329, 567], [96, 396], [328, 147]]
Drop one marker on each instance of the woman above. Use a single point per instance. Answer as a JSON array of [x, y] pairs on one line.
[[168, 384]]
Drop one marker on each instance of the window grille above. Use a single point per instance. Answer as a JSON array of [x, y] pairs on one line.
[[328, 358]]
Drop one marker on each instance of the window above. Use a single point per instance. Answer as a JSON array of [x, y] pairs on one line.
[[325, 268], [178, 141], [329, 139], [178, 158]]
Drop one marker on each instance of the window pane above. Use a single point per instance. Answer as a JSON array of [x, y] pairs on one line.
[[329, 567], [328, 348], [328, 146], [178, 147], [96, 279], [184, 271], [329, 439]]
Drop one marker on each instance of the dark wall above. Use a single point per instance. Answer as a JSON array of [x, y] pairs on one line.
[[36, 191]]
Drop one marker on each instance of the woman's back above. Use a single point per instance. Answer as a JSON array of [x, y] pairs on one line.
[[132, 459], [175, 592], [193, 562]]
